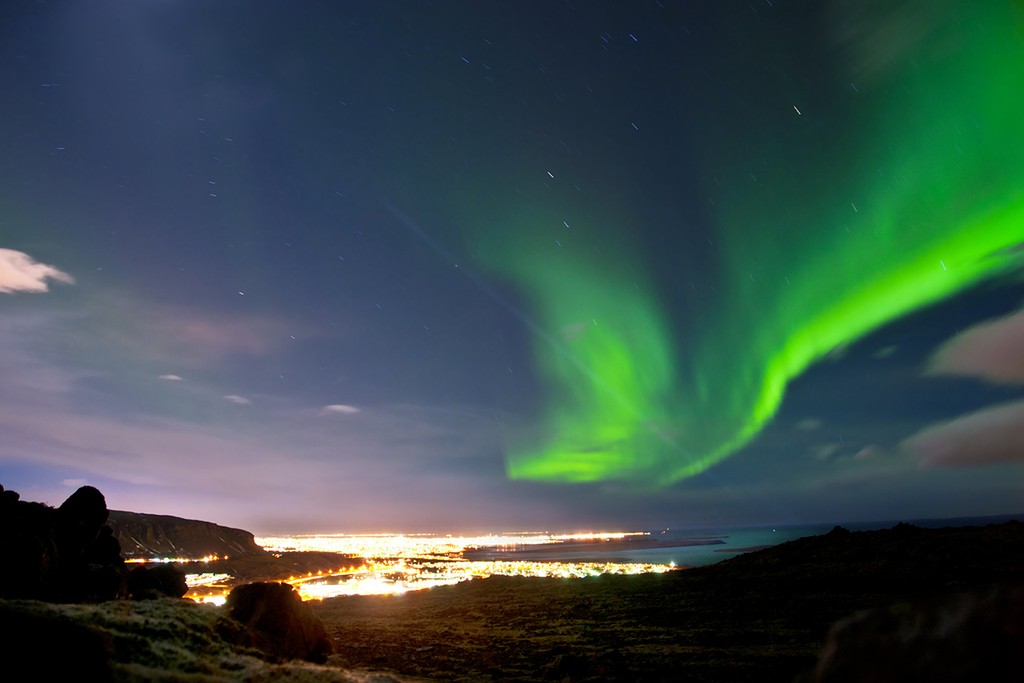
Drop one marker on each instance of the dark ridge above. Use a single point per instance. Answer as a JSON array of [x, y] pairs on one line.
[[147, 536], [764, 616], [904, 559]]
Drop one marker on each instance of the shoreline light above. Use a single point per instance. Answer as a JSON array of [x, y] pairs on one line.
[[421, 545], [394, 564]]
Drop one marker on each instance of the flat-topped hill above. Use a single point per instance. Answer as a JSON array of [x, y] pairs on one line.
[[146, 535]]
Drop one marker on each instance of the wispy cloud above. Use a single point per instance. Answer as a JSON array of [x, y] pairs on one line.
[[172, 378], [187, 337], [869, 452], [988, 436], [991, 350], [808, 424], [239, 400], [285, 469], [19, 272], [31, 378], [221, 335], [825, 451], [339, 409]]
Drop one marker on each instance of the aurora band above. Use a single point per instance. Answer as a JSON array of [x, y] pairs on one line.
[[924, 198]]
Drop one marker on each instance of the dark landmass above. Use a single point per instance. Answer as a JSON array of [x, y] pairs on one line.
[[147, 536], [748, 549], [903, 604], [583, 550], [764, 616], [279, 566]]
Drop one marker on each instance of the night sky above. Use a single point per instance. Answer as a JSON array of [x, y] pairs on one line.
[[482, 266]]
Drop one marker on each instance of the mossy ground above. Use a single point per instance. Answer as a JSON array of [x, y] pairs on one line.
[[758, 617]]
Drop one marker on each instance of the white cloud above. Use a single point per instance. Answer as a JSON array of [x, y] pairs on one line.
[[172, 378], [991, 350], [19, 272], [808, 424], [339, 408], [869, 452], [825, 451], [989, 436], [885, 352], [239, 400], [185, 338], [75, 483]]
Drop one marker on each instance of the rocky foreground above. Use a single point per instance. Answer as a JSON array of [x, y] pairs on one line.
[[71, 609], [904, 604], [169, 640]]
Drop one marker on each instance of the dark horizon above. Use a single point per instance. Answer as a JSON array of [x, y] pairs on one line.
[[853, 525]]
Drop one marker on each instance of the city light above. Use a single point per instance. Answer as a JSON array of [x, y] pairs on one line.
[[423, 545], [174, 560], [393, 564]]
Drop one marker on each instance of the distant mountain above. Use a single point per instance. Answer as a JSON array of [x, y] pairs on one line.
[[144, 535]]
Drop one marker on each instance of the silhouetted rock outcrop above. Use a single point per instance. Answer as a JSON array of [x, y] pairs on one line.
[[278, 622], [58, 554], [145, 535], [67, 554]]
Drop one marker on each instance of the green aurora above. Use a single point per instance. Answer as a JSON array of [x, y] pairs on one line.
[[919, 196]]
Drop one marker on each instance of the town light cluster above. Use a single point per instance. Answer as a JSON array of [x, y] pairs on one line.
[[392, 564]]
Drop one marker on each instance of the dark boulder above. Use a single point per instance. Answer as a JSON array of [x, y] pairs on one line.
[[83, 514], [89, 567], [975, 636], [156, 582], [278, 622]]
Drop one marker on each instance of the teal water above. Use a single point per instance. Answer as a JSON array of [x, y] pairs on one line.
[[697, 547]]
